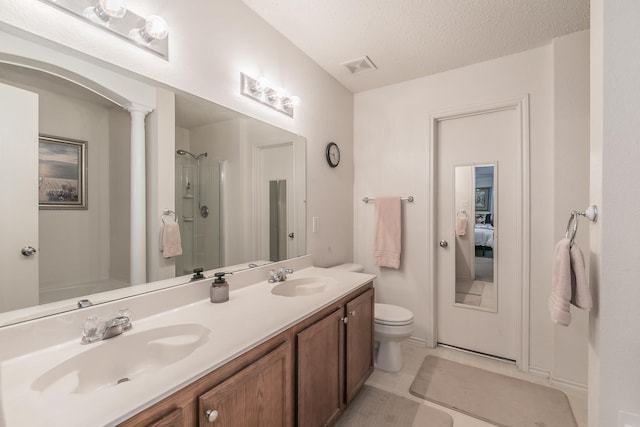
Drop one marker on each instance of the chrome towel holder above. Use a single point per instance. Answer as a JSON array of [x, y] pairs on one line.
[[169, 212], [591, 213], [408, 199]]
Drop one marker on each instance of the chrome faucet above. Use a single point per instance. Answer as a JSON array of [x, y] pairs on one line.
[[279, 275], [95, 330]]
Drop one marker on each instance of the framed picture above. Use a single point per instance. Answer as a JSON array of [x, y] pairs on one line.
[[62, 173], [483, 198]]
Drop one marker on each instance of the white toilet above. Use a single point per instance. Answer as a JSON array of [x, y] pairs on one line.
[[392, 325]]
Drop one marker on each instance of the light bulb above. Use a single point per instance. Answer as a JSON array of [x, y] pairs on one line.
[[295, 101], [113, 8], [262, 84], [104, 10], [155, 28]]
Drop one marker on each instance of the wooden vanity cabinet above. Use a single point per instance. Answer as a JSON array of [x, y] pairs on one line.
[[320, 369], [326, 358], [334, 359], [359, 343], [252, 390]]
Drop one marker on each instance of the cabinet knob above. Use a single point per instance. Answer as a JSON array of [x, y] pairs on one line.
[[212, 415], [345, 320], [352, 313]]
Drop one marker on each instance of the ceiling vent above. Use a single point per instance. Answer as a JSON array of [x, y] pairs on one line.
[[360, 65]]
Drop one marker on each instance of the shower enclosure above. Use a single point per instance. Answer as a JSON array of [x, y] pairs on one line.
[[198, 206]]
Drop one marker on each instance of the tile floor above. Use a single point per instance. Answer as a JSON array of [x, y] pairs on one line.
[[413, 354]]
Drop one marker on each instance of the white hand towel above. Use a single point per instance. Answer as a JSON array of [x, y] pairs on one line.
[[461, 225], [560, 297], [388, 229], [580, 291], [170, 242], [569, 284]]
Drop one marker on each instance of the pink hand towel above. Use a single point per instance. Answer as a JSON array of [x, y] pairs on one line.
[[170, 242], [461, 225], [388, 229]]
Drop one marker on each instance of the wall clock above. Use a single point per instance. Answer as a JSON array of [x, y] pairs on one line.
[[333, 154]]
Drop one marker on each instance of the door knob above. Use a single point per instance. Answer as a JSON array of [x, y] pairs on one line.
[[28, 251], [444, 243], [291, 235]]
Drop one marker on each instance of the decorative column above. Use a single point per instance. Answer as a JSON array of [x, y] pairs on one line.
[[138, 213]]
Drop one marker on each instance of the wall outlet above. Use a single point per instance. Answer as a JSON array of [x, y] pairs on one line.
[[315, 224]]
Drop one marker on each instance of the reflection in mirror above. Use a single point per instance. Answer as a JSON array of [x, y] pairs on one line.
[[277, 220], [85, 254], [475, 192], [199, 209]]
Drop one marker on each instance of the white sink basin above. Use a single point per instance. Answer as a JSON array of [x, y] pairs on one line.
[[121, 359], [302, 286]]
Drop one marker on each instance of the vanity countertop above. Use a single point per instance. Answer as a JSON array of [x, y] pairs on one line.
[[251, 316]]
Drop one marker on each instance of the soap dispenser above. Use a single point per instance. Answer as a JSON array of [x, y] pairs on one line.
[[220, 288]]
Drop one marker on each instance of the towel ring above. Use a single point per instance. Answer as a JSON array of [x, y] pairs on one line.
[[574, 218], [168, 212]]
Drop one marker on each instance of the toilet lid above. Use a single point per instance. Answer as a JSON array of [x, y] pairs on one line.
[[387, 314]]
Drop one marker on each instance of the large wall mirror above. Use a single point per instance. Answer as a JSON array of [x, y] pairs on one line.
[[224, 164], [476, 228]]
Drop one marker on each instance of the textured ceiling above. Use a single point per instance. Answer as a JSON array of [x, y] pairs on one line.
[[407, 39]]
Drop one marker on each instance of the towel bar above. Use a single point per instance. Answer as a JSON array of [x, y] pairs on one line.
[[408, 199]]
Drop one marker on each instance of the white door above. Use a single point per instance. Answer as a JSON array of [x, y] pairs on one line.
[[276, 164], [489, 137], [19, 178]]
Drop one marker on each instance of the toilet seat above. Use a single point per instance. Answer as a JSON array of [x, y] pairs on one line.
[[392, 315]]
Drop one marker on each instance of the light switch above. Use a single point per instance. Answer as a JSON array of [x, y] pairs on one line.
[[315, 224]]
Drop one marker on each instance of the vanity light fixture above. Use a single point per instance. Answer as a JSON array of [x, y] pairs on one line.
[[149, 33], [104, 10], [262, 91]]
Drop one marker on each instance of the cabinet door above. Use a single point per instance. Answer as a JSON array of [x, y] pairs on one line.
[[359, 342], [320, 371], [256, 396]]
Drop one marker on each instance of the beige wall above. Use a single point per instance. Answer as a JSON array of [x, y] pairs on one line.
[[391, 135], [571, 189], [74, 244]]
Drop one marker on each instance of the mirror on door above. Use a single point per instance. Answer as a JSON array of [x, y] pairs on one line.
[[476, 228]]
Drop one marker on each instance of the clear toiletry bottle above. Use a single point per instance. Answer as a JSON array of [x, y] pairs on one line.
[[220, 288]]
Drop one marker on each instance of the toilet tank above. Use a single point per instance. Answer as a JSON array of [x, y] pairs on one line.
[[354, 268]]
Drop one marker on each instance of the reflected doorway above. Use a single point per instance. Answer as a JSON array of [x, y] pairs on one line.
[[476, 283]]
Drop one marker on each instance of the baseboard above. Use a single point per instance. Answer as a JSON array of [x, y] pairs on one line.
[[418, 341], [545, 373]]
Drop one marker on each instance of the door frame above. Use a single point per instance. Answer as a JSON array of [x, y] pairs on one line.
[[521, 106]]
